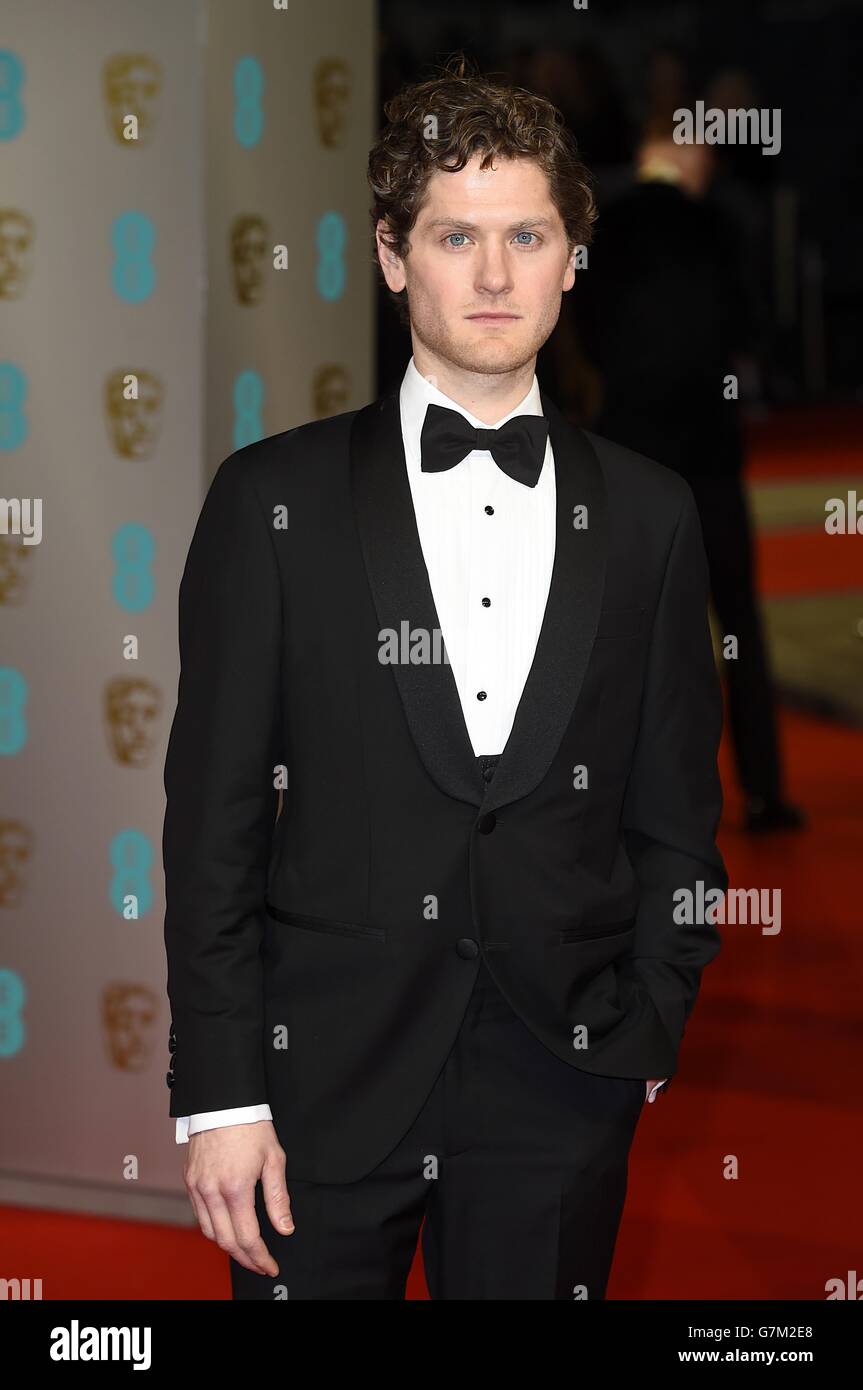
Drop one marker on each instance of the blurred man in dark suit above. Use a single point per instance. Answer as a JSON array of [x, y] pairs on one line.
[[662, 313]]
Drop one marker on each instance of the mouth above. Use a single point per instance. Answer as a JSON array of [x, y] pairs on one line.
[[492, 318]]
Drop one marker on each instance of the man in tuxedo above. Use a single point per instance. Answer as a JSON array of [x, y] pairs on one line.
[[431, 984]]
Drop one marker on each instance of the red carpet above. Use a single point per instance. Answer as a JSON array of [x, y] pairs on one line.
[[805, 443], [809, 562]]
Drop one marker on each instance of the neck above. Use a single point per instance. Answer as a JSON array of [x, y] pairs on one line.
[[487, 395]]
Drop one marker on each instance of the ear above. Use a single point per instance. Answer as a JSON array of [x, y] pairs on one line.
[[569, 271], [390, 263]]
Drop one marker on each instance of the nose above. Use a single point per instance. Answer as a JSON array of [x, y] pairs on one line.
[[494, 275]]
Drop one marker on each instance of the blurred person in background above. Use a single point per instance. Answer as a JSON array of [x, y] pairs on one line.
[[663, 317], [743, 185]]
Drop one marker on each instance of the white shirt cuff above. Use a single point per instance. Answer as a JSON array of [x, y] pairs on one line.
[[653, 1094], [216, 1119]]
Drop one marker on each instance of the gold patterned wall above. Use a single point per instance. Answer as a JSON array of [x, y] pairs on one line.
[[184, 267], [291, 293]]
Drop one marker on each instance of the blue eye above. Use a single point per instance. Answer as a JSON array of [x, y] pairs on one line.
[[448, 239]]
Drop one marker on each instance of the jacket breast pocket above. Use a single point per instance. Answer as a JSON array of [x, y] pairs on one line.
[[328, 925], [619, 622]]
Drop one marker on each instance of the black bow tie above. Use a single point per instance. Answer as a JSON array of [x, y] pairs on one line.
[[518, 447]]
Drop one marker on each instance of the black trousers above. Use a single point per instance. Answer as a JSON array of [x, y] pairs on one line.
[[515, 1168]]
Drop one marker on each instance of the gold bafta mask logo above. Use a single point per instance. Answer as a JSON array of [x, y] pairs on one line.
[[133, 422], [131, 83], [15, 557], [249, 239], [332, 88], [16, 851], [17, 231], [129, 1012], [132, 706], [330, 390]]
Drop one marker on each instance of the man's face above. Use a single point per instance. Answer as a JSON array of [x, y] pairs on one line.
[[485, 242]]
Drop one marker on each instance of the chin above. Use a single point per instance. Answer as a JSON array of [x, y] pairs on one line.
[[492, 357]]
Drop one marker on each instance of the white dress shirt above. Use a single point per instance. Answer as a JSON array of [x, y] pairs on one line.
[[471, 554]]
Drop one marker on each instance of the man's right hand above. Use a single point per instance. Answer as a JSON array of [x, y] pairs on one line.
[[222, 1167]]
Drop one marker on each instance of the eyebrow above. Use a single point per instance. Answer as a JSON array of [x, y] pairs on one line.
[[459, 224]]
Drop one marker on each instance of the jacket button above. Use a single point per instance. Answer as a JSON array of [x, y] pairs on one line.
[[169, 1079], [486, 823], [467, 948]]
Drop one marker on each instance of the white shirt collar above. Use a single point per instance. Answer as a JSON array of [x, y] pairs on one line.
[[416, 393]]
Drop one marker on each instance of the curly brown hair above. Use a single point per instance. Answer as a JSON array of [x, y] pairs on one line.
[[440, 123]]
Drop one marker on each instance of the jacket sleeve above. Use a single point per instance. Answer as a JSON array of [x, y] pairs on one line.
[[221, 806], [673, 799]]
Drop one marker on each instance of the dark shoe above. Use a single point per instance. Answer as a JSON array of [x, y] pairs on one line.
[[764, 816]]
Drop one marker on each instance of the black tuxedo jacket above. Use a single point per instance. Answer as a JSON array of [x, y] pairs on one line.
[[321, 960]]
